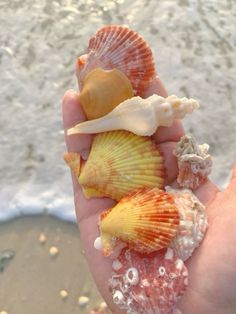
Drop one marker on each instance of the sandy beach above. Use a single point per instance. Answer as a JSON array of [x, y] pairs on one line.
[[31, 281], [193, 43]]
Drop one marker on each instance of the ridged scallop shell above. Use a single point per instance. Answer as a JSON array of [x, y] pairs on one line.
[[193, 222], [194, 162], [103, 90], [148, 284], [121, 162], [147, 220], [74, 162], [119, 47]]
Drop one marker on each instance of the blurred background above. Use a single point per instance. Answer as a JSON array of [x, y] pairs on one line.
[[193, 42]]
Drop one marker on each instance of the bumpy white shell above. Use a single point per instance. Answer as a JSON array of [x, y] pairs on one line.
[[194, 162], [193, 222], [140, 116]]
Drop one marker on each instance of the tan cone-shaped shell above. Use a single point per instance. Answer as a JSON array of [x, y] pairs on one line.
[[120, 162], [103, 91], [147, 220]]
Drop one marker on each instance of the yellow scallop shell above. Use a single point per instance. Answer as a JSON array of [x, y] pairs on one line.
[[120, 162], [103, 90], [147, 220], [74, 162]]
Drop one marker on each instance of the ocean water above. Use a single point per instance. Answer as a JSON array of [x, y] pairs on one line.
[[193, 42]]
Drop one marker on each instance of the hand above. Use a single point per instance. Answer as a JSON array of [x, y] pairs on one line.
[[212, 268]]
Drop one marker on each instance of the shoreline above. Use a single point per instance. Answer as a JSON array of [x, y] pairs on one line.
[[33, 275]]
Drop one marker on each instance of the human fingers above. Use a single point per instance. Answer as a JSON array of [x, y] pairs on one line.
[[206, 192], [156, 87], [72, 113], [87, 211], [232, 183], [171, 134], [170, 162]]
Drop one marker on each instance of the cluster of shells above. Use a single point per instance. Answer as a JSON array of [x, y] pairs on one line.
[[153, 227]]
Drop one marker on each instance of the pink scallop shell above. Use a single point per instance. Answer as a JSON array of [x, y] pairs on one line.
[[119, 47], [148, 284]]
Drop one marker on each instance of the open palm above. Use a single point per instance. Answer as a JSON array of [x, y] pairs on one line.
[[212, 268]]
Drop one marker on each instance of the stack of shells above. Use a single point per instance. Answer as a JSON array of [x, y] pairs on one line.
[[152, 229]]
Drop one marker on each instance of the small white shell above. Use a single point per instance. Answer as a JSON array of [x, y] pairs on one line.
[[98, 244], [118, 297], [53, 251], [193, 222], [194, 162], [140, 116], [131, 276], [83, 301], [63, 294]]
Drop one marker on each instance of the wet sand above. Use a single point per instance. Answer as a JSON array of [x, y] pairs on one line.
[[31, 281]]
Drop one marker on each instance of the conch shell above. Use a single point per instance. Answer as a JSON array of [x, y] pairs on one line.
[[119, 163], [103, 90], [140, 116], [147, 220], [119, 47], [194, 162]]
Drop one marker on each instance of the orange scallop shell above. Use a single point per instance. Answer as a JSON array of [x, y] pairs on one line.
[[116, 46], [103, 90], [147, 220]]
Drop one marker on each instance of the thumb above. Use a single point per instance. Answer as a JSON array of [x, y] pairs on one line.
[[232, 184]]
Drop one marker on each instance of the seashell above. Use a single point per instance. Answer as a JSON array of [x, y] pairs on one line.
[[103, 90], [140, 116], [194, 162], [193, 222], [119, 47], [83, 301], [152, 283], [119, 163], [74, 162], [147, 220], [101, 309]]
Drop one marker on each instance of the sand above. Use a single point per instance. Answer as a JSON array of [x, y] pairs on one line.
[[31, 281]]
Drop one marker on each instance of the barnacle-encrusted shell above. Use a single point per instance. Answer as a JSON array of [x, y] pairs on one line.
[[148, 284], [194, 162], [119, 47], [120, 162], [103, 90], [193, 222], [147, 220], [140, 116]]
